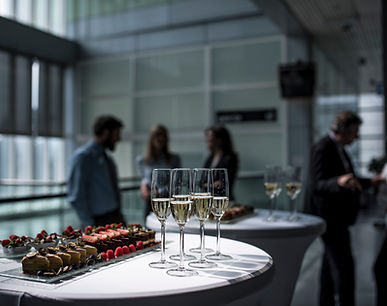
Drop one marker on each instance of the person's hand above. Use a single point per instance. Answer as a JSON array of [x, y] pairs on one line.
[[378, 179], [349, 181], [145, 192]]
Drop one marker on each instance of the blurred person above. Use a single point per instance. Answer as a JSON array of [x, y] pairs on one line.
[[222, 154], [157, 155], [93, 181], [333, 193]]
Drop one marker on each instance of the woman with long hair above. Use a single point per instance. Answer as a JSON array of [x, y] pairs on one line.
[[157, 155], [222, 154]]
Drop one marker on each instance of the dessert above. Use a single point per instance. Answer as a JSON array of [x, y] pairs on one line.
[[33, 262], [66, 258], [16, 245], [43, 240]]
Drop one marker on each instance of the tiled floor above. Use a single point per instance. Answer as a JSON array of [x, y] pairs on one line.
[[366, 241]]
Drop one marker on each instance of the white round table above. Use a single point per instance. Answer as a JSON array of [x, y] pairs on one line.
[[133, 282], [285, 241]]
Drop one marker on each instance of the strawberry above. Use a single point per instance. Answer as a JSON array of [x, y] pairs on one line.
[[13, 237], [125, 249], [103, 255], [5, 242], [44, 233], [132, 248], [119, 225], [109, 254], [116, 233], [18, 240], [110, 234], [100, 228], [90, 239], [107, 226], [118, 252], [139, 245], [23, 237], [101, 236], [123, 232], [88, 229], [70, 228], [39, 236]]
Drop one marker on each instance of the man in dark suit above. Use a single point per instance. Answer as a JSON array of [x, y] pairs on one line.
[[333, 193]]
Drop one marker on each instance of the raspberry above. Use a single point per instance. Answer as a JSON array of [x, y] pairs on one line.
[[109, 254], [125, 249], [118, 252], [103, 256], [139, 245], [132, 248]]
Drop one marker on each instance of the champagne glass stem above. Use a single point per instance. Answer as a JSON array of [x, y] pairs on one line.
[[202, 241], [181, 265], [217, 235], [271, 209], [162, 241]]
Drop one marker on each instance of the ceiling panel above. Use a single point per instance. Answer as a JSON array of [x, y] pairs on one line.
[[349, 32]]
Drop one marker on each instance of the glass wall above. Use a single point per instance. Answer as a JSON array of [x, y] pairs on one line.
[[183, 89]]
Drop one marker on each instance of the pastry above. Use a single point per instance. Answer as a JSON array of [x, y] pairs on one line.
[[34, 262]]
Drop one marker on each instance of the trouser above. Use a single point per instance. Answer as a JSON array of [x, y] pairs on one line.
[[108, 218], [337, 276], [380, 272]]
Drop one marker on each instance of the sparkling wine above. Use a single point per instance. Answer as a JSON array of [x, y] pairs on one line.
[[184, 197], [271, 189], [219, 206], [160, 207], [181, 210], [202, 203], [293, 189]]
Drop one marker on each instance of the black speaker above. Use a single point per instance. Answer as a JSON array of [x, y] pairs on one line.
[[297, 80]]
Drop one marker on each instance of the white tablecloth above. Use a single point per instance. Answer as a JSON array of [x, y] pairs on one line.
[[133, 282], [285, 241]]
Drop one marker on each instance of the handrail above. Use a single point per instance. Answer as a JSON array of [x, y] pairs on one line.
[[51, 196]]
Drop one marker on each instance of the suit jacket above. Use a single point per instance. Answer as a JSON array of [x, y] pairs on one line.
[[228, 161], [338, 206]]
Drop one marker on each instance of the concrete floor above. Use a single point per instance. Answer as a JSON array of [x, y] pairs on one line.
[[366, 242]]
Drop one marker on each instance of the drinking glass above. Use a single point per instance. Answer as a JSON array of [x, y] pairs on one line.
[[160, 197], [272, 183], [181, 202], [219, 206], [293, 177], [202, 196]]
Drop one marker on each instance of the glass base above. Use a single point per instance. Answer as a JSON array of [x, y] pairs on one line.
[[199, 250], [218, 256], [202, 264], [182, 272], [162, 264], [186, 257]]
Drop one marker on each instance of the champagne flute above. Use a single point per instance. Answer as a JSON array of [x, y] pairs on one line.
[[293, 177], [219, 206], [272, 183], [161, 208], [181, 202], [202, 195]]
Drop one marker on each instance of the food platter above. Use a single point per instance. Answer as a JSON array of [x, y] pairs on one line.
[[17, 272]]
